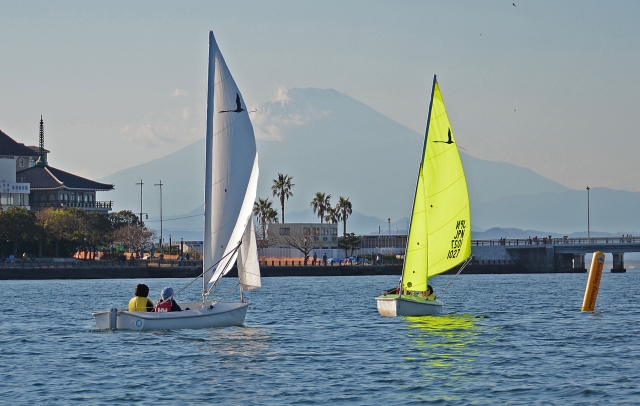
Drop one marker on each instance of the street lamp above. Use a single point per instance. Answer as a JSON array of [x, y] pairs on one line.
[[588, 220]]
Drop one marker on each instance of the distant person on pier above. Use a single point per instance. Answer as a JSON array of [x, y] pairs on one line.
[[315, 258], [140, 302], [324, 259], [166, 302]]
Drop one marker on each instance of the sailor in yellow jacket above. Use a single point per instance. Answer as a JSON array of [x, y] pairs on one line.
[[141, 303], [428, 294]]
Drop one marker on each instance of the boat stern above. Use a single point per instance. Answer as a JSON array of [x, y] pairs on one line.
[[407, 305], [387, 305]]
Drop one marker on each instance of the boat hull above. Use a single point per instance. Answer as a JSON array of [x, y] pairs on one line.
[[407, 305], [220, 314]]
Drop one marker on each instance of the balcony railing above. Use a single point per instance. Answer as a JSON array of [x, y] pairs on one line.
[[106, 205]]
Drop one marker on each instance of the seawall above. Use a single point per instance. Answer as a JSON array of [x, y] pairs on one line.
[[143, 272]]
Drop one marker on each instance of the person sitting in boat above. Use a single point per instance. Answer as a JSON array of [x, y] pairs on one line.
[[166, 302], [428, 294], [141, 303]]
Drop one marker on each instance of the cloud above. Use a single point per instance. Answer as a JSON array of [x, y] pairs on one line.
[[281, 113], [179, 93], [282, 96], [270, 127], [177, 126]]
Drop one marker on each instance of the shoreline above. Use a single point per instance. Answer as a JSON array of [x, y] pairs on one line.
[[140, 272]]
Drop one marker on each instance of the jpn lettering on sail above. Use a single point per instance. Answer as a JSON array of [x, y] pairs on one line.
[[231, 167]]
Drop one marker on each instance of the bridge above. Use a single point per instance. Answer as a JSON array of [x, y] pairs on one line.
[[548, 254]]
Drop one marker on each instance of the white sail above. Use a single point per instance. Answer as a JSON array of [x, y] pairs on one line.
[[248, 264], [231, 165]]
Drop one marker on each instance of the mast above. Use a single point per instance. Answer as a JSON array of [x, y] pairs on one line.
[[207, 249], [424, 149]]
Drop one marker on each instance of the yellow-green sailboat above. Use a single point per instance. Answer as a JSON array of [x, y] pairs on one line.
[[440, 230]]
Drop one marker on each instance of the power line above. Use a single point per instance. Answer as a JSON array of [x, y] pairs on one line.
[[177, 218]]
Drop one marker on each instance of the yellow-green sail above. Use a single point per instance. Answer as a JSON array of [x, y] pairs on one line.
[[440, 231]]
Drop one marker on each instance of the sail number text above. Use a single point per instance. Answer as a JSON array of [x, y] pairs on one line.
[[456, 242]]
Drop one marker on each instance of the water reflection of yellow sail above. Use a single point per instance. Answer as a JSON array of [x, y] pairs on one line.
[[444, 342]]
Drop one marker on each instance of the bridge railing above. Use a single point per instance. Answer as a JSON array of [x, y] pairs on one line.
[[556, 241]]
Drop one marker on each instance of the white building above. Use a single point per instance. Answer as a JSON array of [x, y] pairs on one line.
[[13, 158], [325, 233]]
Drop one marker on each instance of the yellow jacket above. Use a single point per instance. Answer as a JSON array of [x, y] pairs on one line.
[[140, 304]]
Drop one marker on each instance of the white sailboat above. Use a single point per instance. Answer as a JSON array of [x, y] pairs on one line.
[[231, 179], [440, 230]]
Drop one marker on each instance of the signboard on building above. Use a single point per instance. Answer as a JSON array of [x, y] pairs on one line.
[[12, 187]]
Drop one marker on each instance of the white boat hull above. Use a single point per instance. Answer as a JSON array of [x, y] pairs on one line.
[[219, 314], [406, 305]]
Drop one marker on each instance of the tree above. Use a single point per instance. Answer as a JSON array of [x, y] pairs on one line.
[[17, 225], [305, 243], [265, 213], [344, 209], [59, 224], [134, 236], [282, 188], [349, 242], [320, 203], [333, 216], [124, 218], [99, 228]]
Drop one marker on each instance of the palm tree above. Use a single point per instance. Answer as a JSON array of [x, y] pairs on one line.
[[320, 203], [344, 208], [264, 212], [271, 216], [282, 188], [332, 215]]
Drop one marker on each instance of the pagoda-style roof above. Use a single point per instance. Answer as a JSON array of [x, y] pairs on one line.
[[8, 146], [50, 178]]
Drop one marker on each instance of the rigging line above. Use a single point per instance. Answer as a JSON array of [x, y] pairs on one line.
[[202, 274], [461, 268], [229, 291], [233, 251]]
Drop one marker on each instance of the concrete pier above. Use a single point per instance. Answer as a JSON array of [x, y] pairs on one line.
[[554, 254]]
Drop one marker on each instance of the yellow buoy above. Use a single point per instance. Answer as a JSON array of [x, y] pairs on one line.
[[593, 283]]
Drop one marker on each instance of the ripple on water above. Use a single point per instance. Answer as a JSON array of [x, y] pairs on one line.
[[321, 341]]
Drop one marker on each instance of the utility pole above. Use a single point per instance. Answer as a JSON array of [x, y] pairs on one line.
[[141, 213], [140, 183], [161, 240]]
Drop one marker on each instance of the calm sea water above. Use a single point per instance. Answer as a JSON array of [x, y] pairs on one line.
[[504, 339]]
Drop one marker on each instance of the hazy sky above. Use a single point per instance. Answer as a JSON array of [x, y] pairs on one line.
[[552, 86]]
